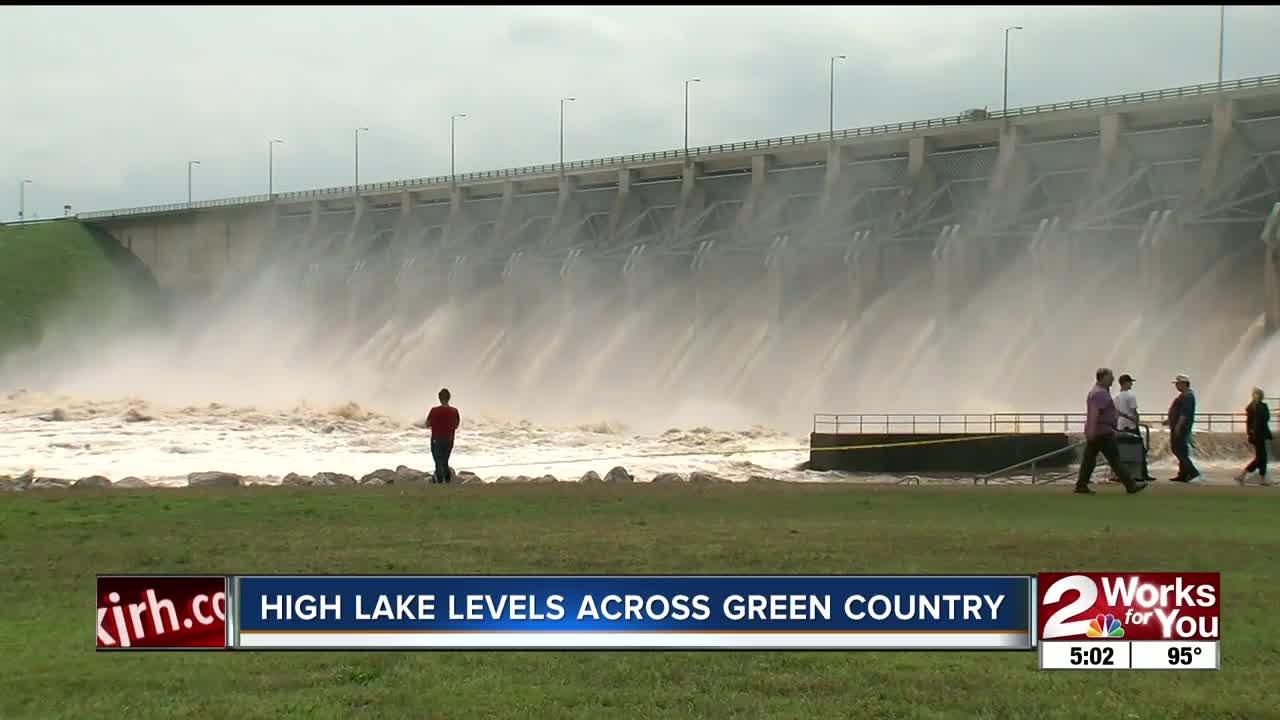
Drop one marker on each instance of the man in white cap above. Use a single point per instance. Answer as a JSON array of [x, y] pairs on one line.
[[1182, 414], [1128, 436]]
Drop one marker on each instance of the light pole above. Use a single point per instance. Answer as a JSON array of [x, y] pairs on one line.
[[562, 102], [190, 164], [1222, 27], [832, 110], [1006, 65], [686, 114], [358, 131], [453, 123], [22, 199], [271, 167]]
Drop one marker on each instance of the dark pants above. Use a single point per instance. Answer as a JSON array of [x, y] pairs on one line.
[[1105, 444], [1259, 462], [441, 448], [1180, 446]]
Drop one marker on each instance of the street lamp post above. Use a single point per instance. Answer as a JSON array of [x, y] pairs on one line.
[[22, 199], [190, 164], [453, 123], [562, 102], [832, 108], [1006, 65], [1222, 27], [686, 114], [358, 131], [271, 167]]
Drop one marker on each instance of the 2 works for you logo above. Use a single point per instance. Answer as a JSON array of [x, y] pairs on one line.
[[1129, 606]]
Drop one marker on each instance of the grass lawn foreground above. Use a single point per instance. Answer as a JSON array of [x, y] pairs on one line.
[[57, 541]]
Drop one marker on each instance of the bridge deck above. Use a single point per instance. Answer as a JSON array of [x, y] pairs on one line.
[[710, 152]]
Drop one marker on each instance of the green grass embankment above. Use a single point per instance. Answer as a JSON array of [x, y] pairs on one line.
[[56, 541], [51, 268]]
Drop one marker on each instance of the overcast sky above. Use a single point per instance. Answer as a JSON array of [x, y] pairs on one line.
[[103, 107]]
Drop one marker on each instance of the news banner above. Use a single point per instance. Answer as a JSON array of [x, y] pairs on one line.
[[1076, 621]]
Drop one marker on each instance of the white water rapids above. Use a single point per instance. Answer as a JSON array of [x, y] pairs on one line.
[[98, 438], [66, 438]]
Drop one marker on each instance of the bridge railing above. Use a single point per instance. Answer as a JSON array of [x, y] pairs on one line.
[[996, 423], [174, 207], [32, 221], [619, 161]]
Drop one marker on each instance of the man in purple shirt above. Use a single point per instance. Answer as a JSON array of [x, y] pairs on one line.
[[1100, 436]]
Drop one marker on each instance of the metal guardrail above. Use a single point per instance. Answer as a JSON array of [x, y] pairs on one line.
[[173, 207], [992, 423], [624, 160], [33, 221]]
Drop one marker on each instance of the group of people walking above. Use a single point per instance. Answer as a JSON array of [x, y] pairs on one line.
[[1111, 422]]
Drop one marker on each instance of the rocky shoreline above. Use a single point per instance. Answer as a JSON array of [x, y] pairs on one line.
[[402, 475]]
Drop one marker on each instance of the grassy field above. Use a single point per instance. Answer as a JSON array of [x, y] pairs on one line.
[[56, 541], [46, 266]]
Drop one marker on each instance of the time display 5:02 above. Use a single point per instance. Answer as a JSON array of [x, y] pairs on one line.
[[1093, 656]]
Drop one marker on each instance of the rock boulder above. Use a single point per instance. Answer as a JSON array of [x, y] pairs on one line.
[[296, 480], [619, 475], [591, 478], [381, 476], [93, 481], [668, 478], [132, 482], [706, 478], [214, 479], [406, 474], [333, 478]]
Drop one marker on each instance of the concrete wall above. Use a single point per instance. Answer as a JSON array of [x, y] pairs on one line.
[[190, 252], [977, 454]]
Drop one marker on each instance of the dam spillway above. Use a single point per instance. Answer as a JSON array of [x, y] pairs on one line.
[[973, 266]]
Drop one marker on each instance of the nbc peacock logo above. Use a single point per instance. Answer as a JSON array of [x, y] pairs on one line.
[[1105, 626]]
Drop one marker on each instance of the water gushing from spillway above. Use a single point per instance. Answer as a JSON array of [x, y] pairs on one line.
[[672, 345]]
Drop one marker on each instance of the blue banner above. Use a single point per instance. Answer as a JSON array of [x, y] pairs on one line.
[[635, 604]]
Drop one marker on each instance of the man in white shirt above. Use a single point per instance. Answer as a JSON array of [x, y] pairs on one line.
[[1127, 406], [1127, 421]]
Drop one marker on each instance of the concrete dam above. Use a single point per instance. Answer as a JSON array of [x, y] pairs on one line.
[[953, 265]]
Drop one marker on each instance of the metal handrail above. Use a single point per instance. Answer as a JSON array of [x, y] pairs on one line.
[[624, 160], [1011, 423], [33, 221], [1032, 462]]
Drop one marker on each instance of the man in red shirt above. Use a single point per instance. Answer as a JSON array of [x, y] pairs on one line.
[[443, 421]]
